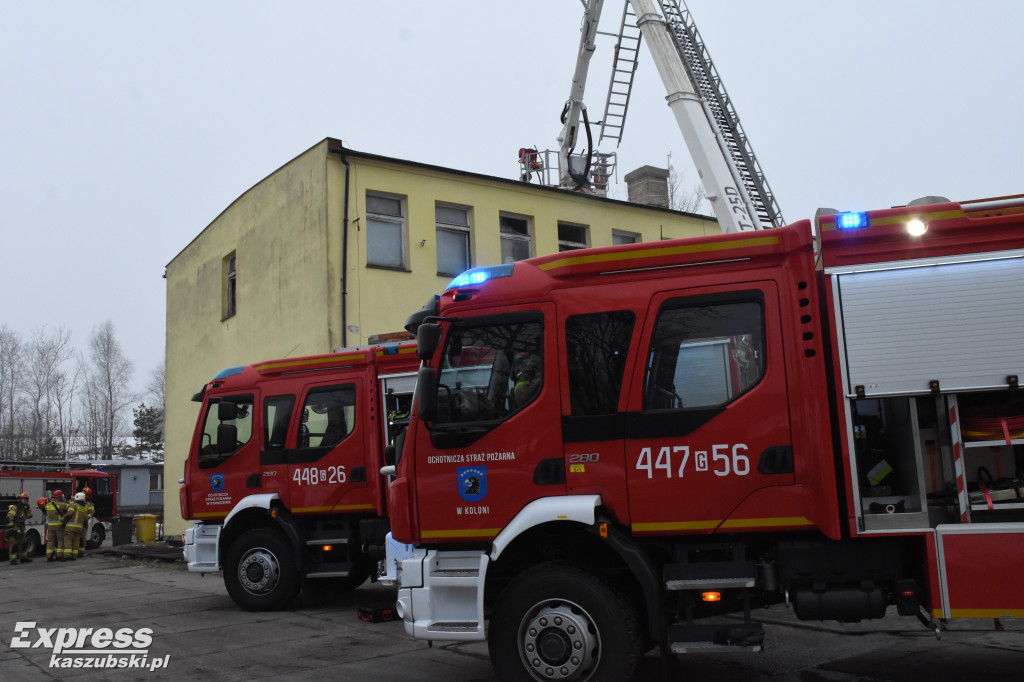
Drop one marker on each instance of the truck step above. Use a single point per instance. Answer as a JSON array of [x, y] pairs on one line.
[[710, 575], [686, 639], [341, 569], [456, 626], [329, 537]]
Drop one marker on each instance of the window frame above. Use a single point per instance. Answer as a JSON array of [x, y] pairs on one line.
[[515, 237], [401, 221], [463, 231], [620, 234], [229, 286], [569, 244]]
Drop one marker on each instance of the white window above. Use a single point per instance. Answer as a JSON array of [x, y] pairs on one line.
[[516, 241], [452, 239], [385, 231], [619, 237], [156, 481], [571, 236], [229, 287]]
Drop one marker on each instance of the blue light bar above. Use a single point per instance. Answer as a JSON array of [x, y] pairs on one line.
[[478, 276], [229, 372], [852, 220]]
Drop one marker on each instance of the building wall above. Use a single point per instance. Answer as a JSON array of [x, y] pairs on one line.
[[288, 236]]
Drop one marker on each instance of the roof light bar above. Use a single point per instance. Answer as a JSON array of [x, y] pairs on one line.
[[478, 276], [852, 220]]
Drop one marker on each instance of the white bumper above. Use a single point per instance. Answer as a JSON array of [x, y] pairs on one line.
[[441, 594], [201, 547]]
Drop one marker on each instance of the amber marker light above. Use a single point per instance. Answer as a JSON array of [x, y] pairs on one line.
[[328, 548], [711, 596], [603, 530]]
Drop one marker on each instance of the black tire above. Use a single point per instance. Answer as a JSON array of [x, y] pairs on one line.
[[559, 622], [96, 536], [33, 544], [259, 571]]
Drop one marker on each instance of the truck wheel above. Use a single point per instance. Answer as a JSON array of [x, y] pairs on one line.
[[33, 544], [259, 571], [559, 622], [96, 537]]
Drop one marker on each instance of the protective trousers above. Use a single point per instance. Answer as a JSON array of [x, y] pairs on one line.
[[72, 533], [54, 541], [16, 545]]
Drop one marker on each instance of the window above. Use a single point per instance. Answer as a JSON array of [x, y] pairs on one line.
[[328, 416], [277, 412], [229, 287], [452, 239], [156, 481], [571, 236], [704, 355], [385, 231], [227, 427], [491, 371], [619, 238], [596, 348], [516, 243]]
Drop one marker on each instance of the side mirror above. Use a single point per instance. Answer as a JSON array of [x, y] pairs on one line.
[[428, 336], [426, 394], [226, 411], [227, 437]]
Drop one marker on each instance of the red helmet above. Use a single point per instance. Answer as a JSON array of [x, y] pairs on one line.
[[57, 494], [41, 502], [23, 496], [88, 493]]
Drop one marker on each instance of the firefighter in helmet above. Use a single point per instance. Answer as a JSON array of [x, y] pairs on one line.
[[74, 522], [54, 511], [527, 378], [17, 514], [90, 511]]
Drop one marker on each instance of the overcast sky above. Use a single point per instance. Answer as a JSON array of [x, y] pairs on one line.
[[127, 127]]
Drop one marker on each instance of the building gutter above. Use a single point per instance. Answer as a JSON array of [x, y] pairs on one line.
[[344, 255]]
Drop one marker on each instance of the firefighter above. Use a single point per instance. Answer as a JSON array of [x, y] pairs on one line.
[[90, 510], [74, 521], [17, 514], [54, 511], [527, 380]]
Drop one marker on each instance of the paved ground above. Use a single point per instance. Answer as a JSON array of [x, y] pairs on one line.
[[199, 634]]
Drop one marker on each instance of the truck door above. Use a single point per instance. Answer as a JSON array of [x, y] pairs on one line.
[[226, 455], [326, 469], [495, 443], [708, 427]]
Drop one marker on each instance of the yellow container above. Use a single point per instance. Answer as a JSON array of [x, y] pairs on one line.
[[145, 528]]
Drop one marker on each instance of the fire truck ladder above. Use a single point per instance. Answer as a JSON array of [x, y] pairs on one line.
[[721, 114], [627, 52]]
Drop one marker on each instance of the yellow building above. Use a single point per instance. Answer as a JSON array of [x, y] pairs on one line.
[[339, 247]]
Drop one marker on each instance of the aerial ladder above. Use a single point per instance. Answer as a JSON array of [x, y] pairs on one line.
[[733, 180]]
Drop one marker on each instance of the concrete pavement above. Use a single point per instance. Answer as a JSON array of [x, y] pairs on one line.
[[190, 625]]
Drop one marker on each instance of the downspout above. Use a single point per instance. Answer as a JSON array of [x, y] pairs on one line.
[[344, 259]]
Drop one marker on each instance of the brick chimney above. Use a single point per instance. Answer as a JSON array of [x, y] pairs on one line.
[[648, 185]]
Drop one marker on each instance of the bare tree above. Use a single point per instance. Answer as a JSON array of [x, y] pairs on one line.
[[11, 368], [681, 199], [47, 352], [156, 387], [108, 395]]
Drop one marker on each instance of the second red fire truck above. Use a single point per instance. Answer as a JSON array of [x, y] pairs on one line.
[[282, 482], [609, 446]]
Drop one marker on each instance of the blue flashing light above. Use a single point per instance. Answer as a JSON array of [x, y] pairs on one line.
[[478, 276], [852, 220], [229, 372]]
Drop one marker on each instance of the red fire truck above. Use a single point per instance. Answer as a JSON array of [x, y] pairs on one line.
[[41, 480], [282, 481], [612, 446]]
